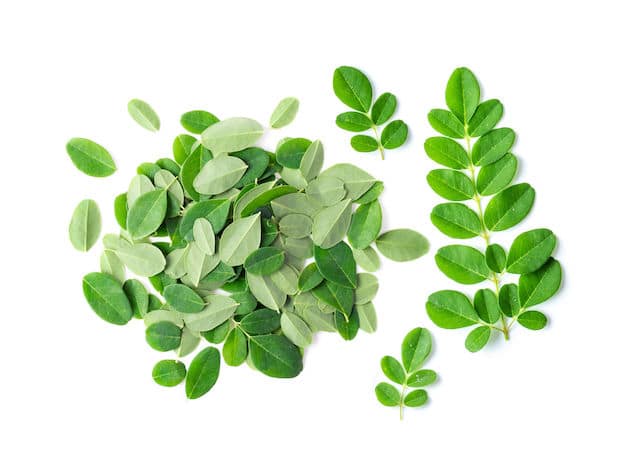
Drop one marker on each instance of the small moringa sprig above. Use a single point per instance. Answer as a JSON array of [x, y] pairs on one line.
[[416, 348], [485, 168], [354, 89]]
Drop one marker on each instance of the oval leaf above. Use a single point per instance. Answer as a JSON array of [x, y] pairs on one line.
[[456, 220], [463, 264], [90, 158], [284, 113], [450, 309], [203, 373], [477, 338], [85, 225], [462, 94], [509, 207], [402, 244], [539, 286], [353, 88], [416, 348], [275, 356], [106, 297], [530, 250], [143, 114], [169, 373], [231, 135]]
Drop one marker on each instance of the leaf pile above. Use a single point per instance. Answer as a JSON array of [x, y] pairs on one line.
[[485, 168], [251, 250], [354, 89], [415, 350]]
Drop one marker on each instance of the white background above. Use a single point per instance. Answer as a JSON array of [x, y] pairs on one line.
[[77, 391]]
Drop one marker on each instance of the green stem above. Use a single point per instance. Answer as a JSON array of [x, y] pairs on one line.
[[484, 231], [375, 131], [404, 390]]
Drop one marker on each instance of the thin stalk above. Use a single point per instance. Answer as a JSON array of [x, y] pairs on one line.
[[484, 231], [404, 390], [375, 131]]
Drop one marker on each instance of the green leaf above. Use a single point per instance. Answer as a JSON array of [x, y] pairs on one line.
[[392, 369], [421, 378], [347, 328], [312, 160], [265, 291], [218, 334], [169, 165], [463, 264], [446, 123], [169, 373], [110, 264], [217, 310], [450, 309], [183, 299], [143, 114], [239, 239], [486, 116], [388, 395], [246, 302], [138, 297], [416, 398], [492, 146], [235, 349], [181, 148], [356, 180], [530, 250], [496, 258], [203, 372], [191, 168], [290, 152], [365, 225], [486, 305], [106, 298], [336, 264], [367, 317], [447, 152], [366, 289], [295, 329], [509, 207], [354, 121], [142, 259], [402, 245], [509, 299], [90, 158], [310, 277], [120, 210], [148, 169], [477, 338], [163, 336], [85, 225], [330, 225], [284, 113], [533, 320], [189, 341], [203, 236], [336, 296], [372, 194], [231, 135], [265, 198], [353, 88], [367, 259], [158, 314], [463, 94], [539, 286], [394, 134], [383, 108], [219, 174], [196, 121], [364, 143], [264, 261], [416, 347], [257, 161], [326, 191], [451, 184], [262, 321], [215, 211], [275, 356], [147, 213], [140, 184], [296, 226]]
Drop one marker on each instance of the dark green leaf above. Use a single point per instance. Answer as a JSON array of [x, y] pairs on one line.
[[191, 168], [289, 154], [90, 157], [533, 320], [218, 334], [372, 194], [456, 220], [310, 277], [169, 165], [509, 300], [365, 225], [120, 210], [421, 378], [216, 211], [336, 296], [447, 152], [196, 121], [446, 123], [402, 244], [492, 146], [264, 261], [169, 373], [138, 297], [203, 372], [364, 143], [416, 398], [496, 258], [539, 286], [450, 309], [530, 250], [235, 348], [106, 297], [388, 395], [183, 299], [261, 321], [486, 116], [354, 121], [463, 94], [394, 134], [463, 264], [383, 108], [485, 302], [275, 356], [477, 338], [353, 88], [495, 177], [182, 145], [416, 347], [265, 198], [257, 161], [347, 327], [336, 264], [509, 207], [246, 302], [451, 184], [163, 336], [392, 369]]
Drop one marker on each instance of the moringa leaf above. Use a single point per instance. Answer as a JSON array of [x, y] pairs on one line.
[[477, 338], [275, 356], [309, 278], [509, 207], [163, 336], [366, 289], [235, 349], [181, 148], [284, 113], [169, 373], [264, 261], [336, 296], [347, 328], [486, 305], [509, 300], [364, 143], [336, 264], [463, 94], [539, 286], [486, 116], [330, 225], [530, 250], [450, 309], [416, 348], [203, 373], [402, 244], [219, 174], [106, 298], [496, 258], [463, 264], [451, 184], [296, 226], [353, 88], [421, 378], [492, 146], [240, 239], [90, 158], [295, 329], [354, 121], [142, 259], [203, 236], [110, 264], [259, 322], [365, 226], [367, 259], [533, 320], [290, 152], [183, 299], [326, 191], [143, 114], [231, 135], [394, 134], [196, 121], [495, 177], [393, 369], [456, 220], [383, 108], [446, 123], [416, 398], [312, 160], [387, 395], [367, 317], [217, 310], [265, 291], [85, 225], [147, 213], [447, 152]]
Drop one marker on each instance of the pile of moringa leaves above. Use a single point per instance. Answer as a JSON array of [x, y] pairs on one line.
[[248, 249]]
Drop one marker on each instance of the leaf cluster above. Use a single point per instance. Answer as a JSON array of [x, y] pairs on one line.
[[479, 164], [250, 250], [354, 89]]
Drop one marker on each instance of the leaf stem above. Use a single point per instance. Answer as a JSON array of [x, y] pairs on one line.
[[404, 390], [484, 231], [375, 131]]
